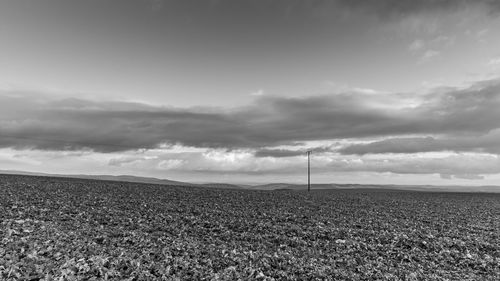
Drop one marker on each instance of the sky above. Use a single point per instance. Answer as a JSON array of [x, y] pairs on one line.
[[382, 91]]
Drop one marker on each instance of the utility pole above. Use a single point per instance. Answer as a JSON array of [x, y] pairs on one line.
[[309, 170]]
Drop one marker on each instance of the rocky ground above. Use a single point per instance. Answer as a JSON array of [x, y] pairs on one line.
[[69, 229]]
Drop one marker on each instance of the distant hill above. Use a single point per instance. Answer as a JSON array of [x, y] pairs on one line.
[[290, 186], [124, 178], [222, 185], [270, 186], [449, 188], [134, 179], [427, 188], [274, 186], [127, 178]]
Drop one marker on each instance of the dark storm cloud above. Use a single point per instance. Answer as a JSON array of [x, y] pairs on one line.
[[34, 121]]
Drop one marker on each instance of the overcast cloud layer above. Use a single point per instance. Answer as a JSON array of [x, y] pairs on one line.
[[451, 132], [457, 120]]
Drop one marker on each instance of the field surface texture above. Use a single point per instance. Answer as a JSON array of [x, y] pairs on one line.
[[68, 229]]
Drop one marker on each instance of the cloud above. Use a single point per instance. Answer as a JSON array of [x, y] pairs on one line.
[[461, 166], [120, 161], [462, 176], [388, 9], [278, 153], [216, 163], [430, 49], [494, 61], [258, 93], [487, 143], [482, 33], [76, 124], [298, 12], [443, 41], [416, 45], [243, 162], [429, 55], [156, 5]]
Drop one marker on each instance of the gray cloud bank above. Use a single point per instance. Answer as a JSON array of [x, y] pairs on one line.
[[462, 166], [465, 120], [278, 153], [489, 143]]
